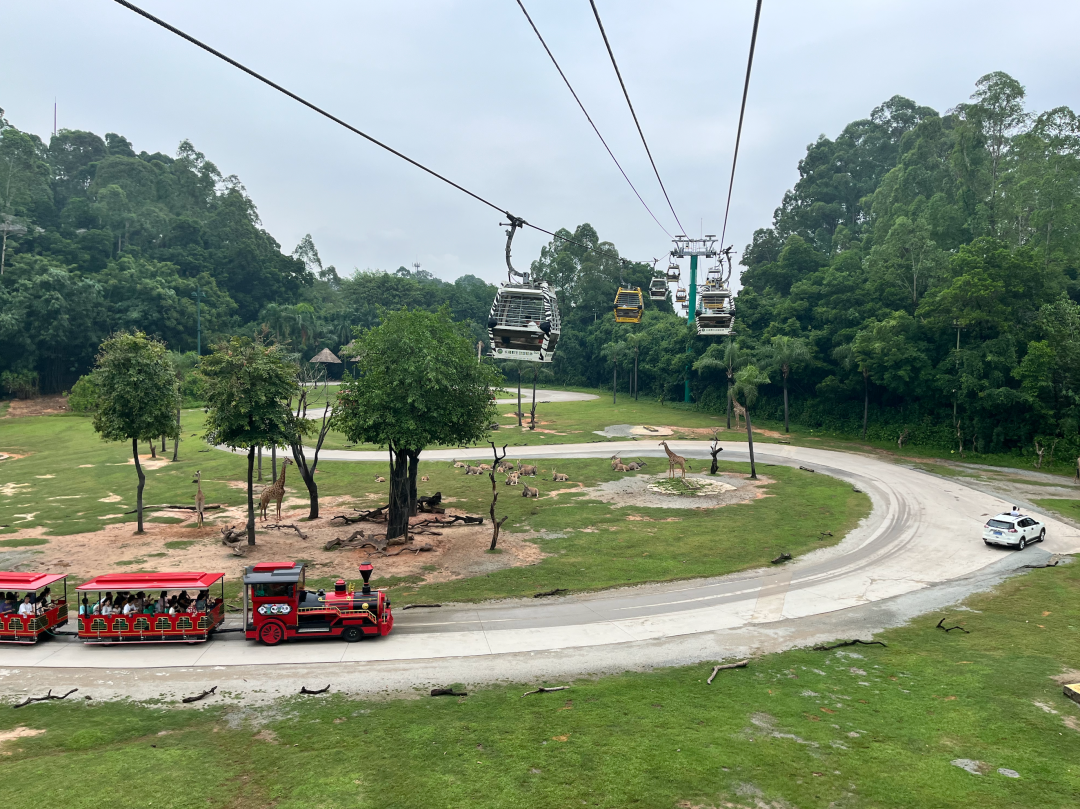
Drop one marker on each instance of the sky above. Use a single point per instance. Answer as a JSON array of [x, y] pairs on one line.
[[464, 87]]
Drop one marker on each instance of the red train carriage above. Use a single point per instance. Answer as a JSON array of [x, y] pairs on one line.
[[151, 607], [277, 607], [28, 609]]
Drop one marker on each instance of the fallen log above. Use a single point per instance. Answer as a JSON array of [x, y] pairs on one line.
[[448, 692], [806, 469], [543, 690], [783, 557], [464, 519], [197, 697], [740, 665], [1055, 563], [282, 526], [416, 606], [849, 643], [305, 690], [175, 508], [417, 550], [46, 698], [554, 592], [951, 628], [231, 535]]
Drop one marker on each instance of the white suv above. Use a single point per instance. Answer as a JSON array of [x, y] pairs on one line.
[[1015, 532]]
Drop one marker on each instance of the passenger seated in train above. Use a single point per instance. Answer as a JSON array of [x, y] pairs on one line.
[[84, 608], [7, 603], [27, 607], [202, 601]]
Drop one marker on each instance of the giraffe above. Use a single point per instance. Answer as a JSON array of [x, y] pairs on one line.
[[200, 500], [673, 461], [739, 411], [275, 492]]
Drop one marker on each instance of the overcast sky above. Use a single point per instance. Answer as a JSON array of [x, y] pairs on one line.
[[464, 87]]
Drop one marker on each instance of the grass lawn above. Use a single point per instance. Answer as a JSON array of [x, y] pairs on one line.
[[864, 727], [70, 481], [1066, 508]]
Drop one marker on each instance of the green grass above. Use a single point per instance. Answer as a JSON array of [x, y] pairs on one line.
[[1066, 508], [25, 542], [179, 544], [595, 546], [876, 728], [613, 551]]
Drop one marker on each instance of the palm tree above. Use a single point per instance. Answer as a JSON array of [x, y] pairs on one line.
[[727, 358], [614, 353], [747, 382], [787, 352]]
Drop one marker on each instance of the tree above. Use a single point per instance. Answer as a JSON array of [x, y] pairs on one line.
[[137, 394], [416, 382], [849, 358], [308, 380], [747, 382], [539, 369], [615, 352], [635, 340], [248, 385], [786, 353]]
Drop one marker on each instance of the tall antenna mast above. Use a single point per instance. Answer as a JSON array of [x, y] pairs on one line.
[[54, 116]]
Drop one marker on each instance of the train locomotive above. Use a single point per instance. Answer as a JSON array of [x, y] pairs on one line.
[[277, 607]]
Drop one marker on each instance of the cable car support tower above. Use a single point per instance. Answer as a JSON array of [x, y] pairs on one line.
[[694, 248]]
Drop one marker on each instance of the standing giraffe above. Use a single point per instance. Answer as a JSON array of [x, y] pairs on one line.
[[275, 492], [673, 461], [200, 500], [739, 411]]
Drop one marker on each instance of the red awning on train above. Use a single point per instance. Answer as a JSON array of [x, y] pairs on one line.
[[28, 581], [172, 580]]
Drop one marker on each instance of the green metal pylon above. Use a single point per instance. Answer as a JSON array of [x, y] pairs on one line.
[[690, 319]]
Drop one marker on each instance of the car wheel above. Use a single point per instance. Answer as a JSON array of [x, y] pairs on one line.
[[1022, 545], [352, 634], [272, 633], [1042, 535]]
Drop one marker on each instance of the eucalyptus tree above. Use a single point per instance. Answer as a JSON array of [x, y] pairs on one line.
[[787, 353], [615, 352], [247, 386], [850, 359], [136, 396]]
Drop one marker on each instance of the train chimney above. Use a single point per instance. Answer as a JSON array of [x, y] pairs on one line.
[[365, 571], [339, 587]]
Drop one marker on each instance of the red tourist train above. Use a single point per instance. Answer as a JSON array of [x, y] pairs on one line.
[[187, 607], [277, 607], [151, 607], [25, 618]]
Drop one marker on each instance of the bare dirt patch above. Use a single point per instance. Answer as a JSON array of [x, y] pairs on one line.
[[41, 406], [637, 490], [457, 551], [1067, 677], [18, 733]]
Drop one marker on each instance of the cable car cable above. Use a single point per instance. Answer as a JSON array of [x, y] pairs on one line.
[[350, 127], [588, 117], [742, 112], [645, 143]]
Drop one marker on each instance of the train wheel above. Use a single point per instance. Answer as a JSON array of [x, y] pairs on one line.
[[272, 633], [352, 634]]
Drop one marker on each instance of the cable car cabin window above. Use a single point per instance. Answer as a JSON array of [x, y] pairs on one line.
[[272, 590], [518, 310]]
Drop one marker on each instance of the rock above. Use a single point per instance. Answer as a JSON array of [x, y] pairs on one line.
[[1008, 773], [973, 767]]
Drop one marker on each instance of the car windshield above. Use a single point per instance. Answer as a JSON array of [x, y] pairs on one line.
[[999, 524]]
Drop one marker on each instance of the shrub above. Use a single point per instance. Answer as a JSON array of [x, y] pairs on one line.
[[84, 395], [20, 384]]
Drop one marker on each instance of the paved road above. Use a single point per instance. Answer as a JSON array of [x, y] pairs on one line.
[[546, 396], [918, 550]]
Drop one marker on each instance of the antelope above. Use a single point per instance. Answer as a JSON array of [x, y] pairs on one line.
[[380, 479], [472, 470], [485, 467], [511, 478], [620, 467], [424, 479], [615, 461], [529, 491], [459, 465], [635, 466], [528, 470], [559, 477], [504, 467]]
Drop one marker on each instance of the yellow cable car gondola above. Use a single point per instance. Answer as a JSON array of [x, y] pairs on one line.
[[629, 304]]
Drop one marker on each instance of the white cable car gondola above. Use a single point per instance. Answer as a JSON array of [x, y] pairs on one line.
[[658, 290], [524, 320], [716, 314], [673, 272], [680, 295]]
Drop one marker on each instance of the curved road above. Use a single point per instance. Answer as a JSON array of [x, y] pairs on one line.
[[919, 549]]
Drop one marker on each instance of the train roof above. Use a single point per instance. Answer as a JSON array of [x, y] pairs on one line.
[[273, 573], [170, 580], [28, 581]]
